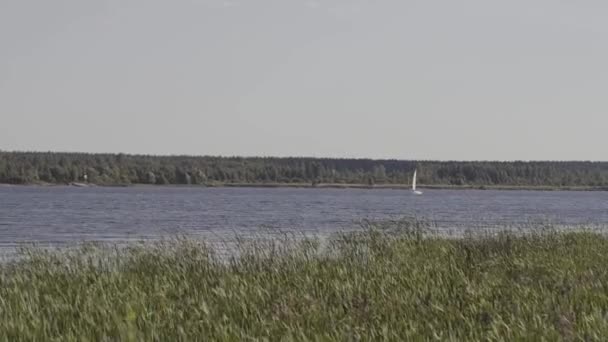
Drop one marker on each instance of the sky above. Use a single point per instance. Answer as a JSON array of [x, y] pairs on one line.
[[406, 79]]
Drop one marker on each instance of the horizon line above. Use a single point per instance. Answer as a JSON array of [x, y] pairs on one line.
[[311, 157]]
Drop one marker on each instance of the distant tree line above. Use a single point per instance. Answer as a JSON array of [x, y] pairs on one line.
[[115, 169]]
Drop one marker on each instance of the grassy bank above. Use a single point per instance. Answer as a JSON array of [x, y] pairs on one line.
[[373, 285]]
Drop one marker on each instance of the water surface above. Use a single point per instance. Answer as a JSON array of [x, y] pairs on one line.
[[59, 215]]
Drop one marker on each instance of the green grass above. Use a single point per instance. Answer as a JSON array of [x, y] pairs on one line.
[[374, 285]]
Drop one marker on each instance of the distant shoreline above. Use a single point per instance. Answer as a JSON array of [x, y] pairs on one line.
[[301, 172], [328, 186]]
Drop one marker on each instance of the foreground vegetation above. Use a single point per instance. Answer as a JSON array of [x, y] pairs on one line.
[[120, 169], [372, 285]]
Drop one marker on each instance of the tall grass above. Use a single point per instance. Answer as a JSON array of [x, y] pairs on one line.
[[377, 284]]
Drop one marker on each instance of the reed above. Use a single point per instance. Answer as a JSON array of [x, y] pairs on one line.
[[381, 283]]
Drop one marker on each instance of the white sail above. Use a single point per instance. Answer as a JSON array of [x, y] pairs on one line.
[[414, 191], [414, 181]]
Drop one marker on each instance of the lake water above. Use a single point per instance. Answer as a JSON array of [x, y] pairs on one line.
[[58, 215]]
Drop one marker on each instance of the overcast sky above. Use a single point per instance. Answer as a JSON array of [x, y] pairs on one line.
[[458, 80]]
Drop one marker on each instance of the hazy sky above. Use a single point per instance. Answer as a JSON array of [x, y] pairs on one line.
[[499, 80]]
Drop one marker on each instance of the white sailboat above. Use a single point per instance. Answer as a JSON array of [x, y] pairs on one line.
[[414, 191]]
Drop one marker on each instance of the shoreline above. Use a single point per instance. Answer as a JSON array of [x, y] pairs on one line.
[[328, 186]]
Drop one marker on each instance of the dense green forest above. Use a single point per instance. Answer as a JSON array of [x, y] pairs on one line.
[[116, 169]]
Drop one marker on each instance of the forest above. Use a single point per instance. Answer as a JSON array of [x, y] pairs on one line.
[[123, 169]]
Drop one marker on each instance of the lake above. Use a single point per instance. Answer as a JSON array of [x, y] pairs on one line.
[[59, 215]]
